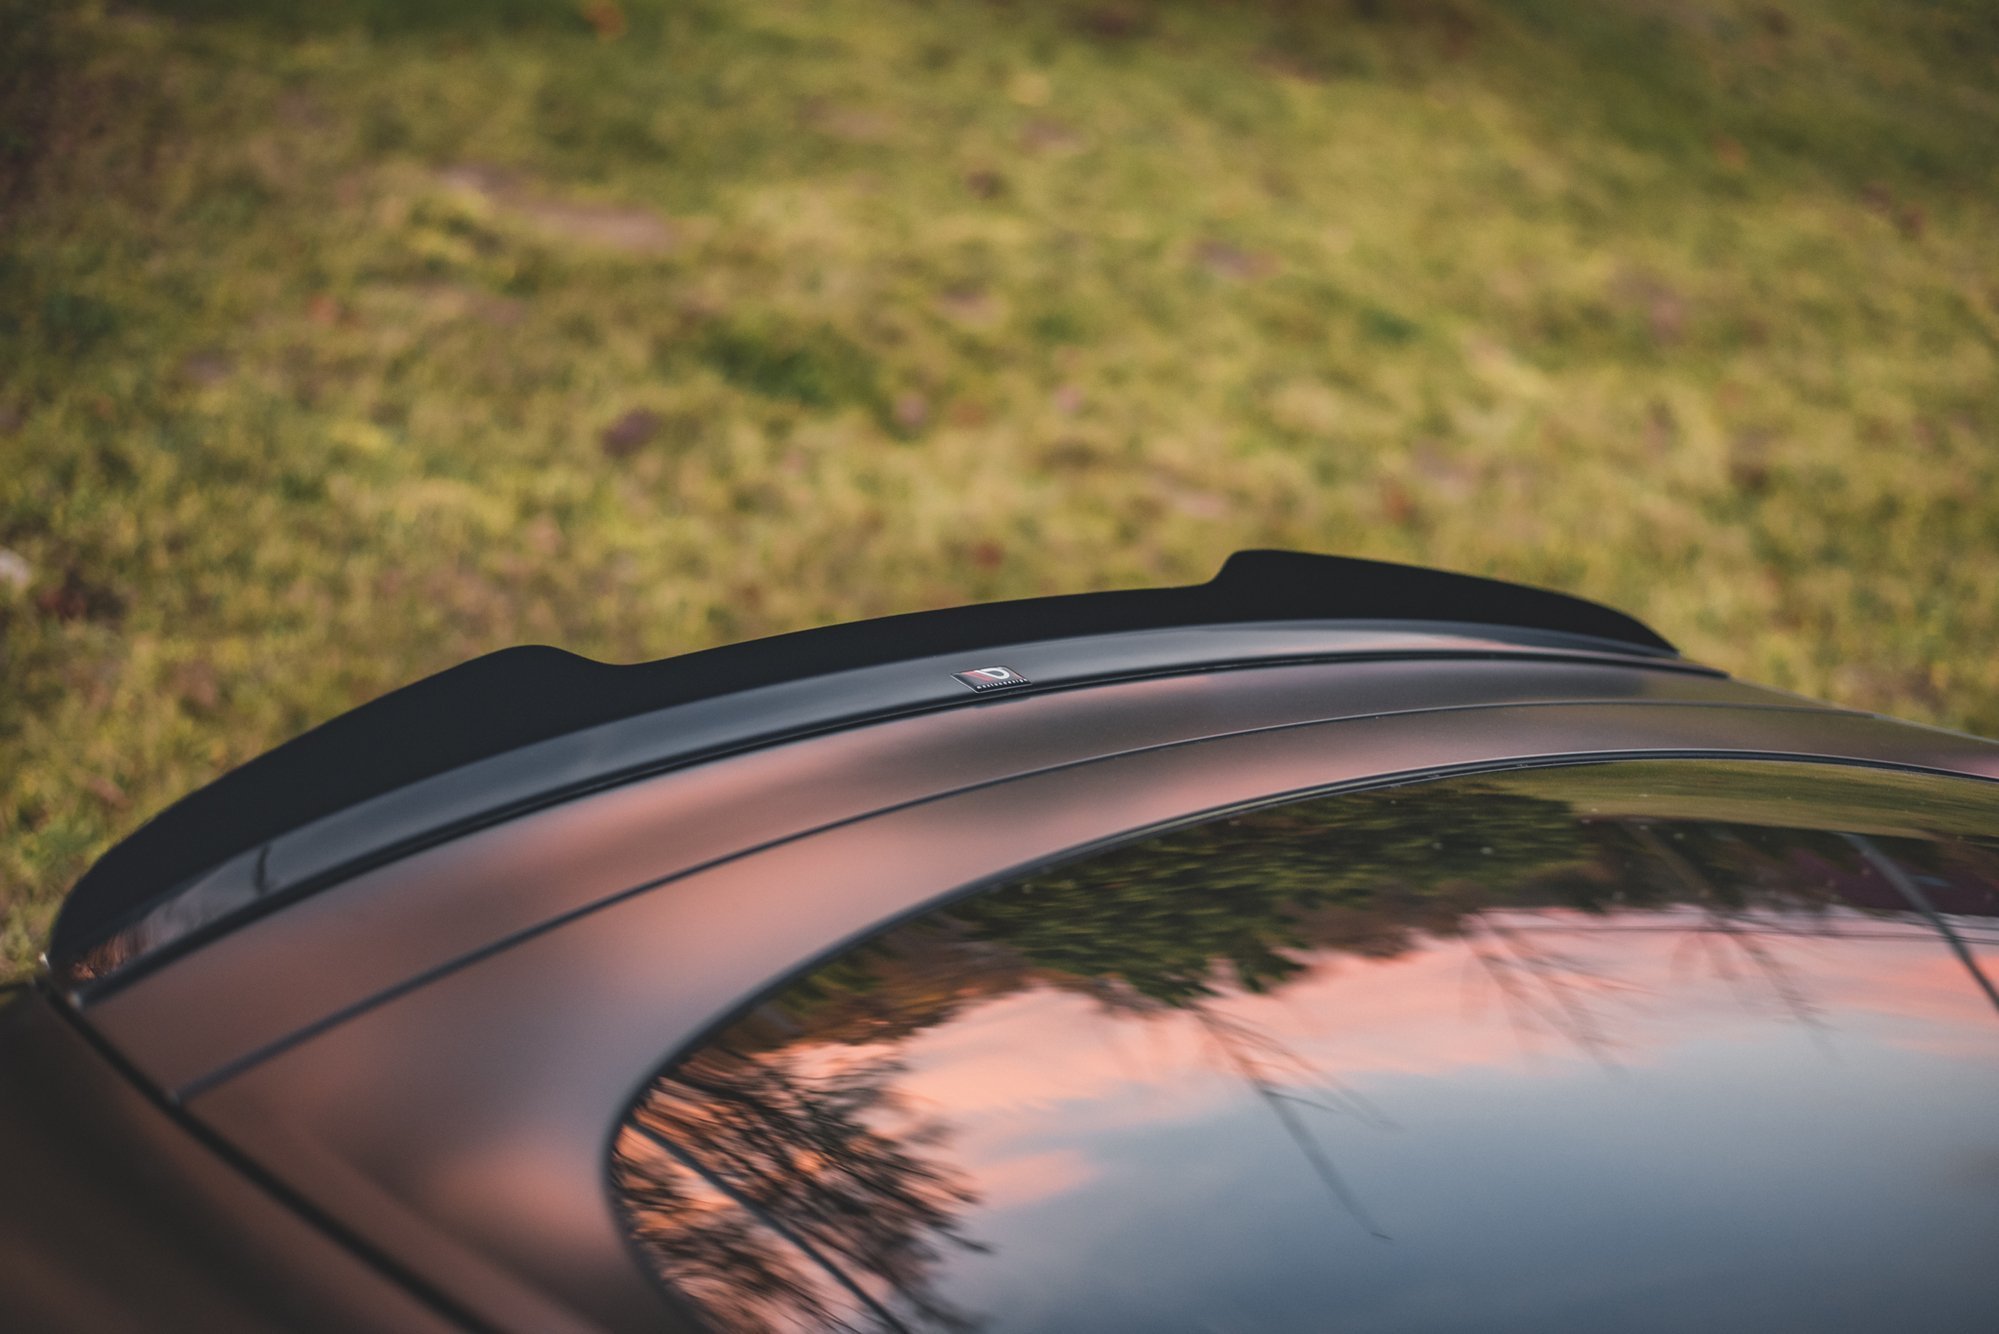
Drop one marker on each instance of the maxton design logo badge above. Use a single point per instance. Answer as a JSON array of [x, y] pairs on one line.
[[991, 678]]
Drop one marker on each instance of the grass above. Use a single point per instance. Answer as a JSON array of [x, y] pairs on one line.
[[339, 343]]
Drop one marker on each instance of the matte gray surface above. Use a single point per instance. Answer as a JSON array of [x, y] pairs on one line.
[[465, 1121]]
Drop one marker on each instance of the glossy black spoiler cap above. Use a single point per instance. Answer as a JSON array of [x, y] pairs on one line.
[[520, 696]]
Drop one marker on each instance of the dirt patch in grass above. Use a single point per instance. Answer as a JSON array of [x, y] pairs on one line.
[[626, 228]]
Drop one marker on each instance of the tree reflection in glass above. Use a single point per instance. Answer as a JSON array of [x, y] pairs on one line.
[[783, 1176]]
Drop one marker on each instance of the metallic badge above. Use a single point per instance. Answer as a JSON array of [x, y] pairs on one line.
[[991, 678]]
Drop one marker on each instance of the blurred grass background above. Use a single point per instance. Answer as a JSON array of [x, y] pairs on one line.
[[339, 343]]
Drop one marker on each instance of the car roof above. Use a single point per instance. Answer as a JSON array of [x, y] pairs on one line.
[[473, 973], [462, 1116]]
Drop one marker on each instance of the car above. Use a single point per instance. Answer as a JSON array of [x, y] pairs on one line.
[[1330, 946]]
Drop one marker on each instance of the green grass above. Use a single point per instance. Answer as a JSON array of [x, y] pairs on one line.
[[343, 343]]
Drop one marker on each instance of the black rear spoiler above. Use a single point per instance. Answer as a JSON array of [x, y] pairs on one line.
[[521, 696]]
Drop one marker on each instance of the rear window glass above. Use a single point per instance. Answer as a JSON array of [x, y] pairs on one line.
[[1646, 1045]]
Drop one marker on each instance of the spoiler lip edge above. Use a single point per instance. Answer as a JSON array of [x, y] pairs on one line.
[[475, 710]]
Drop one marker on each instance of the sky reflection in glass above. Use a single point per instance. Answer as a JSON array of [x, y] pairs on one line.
[[1638, 1046]]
